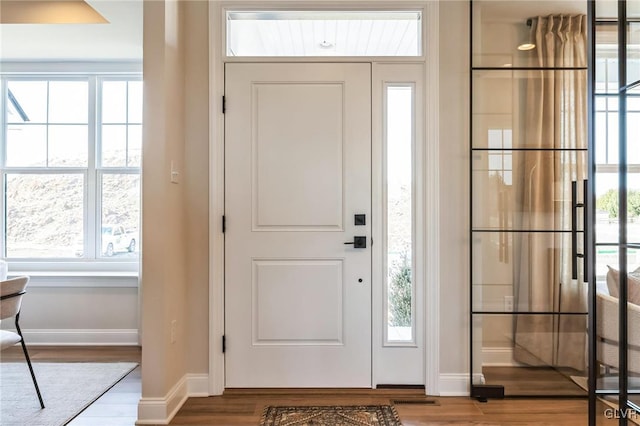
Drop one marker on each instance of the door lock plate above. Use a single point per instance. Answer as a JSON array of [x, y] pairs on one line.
[[359, 242]]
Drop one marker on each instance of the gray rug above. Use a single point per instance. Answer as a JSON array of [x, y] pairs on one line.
[[67, 389]]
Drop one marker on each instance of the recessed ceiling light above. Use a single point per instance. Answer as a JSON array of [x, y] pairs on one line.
[[507, 65], [526, 46], [326, 44]]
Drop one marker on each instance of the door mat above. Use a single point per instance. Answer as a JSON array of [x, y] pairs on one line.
[[360, 415]]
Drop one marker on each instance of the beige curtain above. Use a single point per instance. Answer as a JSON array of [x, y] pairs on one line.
[[555, 117]]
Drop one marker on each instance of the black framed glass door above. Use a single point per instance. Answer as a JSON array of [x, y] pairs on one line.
[[528, 174], [615, 288]]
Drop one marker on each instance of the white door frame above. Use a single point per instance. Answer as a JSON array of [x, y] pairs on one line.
[[430, 217]]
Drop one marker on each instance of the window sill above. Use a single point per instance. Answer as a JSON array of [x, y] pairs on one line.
[[79, 280], [77, 274]]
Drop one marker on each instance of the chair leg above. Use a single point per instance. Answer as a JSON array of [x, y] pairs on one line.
[[26, 355]]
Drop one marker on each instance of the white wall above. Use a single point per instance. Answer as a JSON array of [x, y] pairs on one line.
[[79, 310]]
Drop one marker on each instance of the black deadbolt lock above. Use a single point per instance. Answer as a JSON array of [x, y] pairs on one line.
[[360, 219]]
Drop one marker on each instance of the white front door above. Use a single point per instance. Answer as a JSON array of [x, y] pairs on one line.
[[297, 171]]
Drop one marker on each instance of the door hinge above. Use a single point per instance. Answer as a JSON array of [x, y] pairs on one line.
[[224, 104], [224, 346], [224, 224]]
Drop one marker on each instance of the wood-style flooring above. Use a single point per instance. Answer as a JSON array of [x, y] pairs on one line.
[[236, 407], [244, 408], [534, 381]]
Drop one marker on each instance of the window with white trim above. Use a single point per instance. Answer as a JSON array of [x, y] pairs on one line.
[[70, 157], [399, 222]]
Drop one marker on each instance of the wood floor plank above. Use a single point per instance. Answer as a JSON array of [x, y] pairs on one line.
[[244, 407]]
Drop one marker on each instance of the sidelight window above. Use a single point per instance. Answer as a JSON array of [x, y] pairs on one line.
[[398, 191]]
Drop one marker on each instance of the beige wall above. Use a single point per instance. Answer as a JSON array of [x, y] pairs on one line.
[[164, 280], [175, 285], [175, 268], [454, 190], [196, 171]]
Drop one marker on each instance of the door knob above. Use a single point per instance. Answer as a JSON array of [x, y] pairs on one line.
[[358, 242]]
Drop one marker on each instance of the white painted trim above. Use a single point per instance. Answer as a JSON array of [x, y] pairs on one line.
[[81, 337], [216, 201], [397, 362], [431, 188], [456, 384], [498, 357], [152, 411], [432, 201], [160, 411], [197, 385], [453, 384], [82, 280], [70, 67]]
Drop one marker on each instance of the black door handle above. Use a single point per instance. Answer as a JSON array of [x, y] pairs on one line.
[[358, 242]]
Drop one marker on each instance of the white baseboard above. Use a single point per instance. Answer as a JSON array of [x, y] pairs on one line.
[[499, 357], [457, 384], [81, 337], [160, 411], [198, 385], [454, 384]]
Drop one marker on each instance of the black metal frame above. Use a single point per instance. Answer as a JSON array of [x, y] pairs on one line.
[[590, 212], [623, 392], [484, 392], [24, 347]]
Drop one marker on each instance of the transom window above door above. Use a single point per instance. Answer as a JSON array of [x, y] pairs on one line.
[[324, 33]]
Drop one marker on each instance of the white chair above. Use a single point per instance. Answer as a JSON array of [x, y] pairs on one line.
[[607, 333], [11, 292]]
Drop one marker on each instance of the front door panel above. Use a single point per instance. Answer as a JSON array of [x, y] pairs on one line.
[[297, 171]]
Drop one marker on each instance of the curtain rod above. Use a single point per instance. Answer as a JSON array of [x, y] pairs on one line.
[[601, 20]]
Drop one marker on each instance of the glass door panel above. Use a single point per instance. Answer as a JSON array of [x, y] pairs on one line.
[[504, 32], [507, 195], [505, 108], [528, 168], [616, 193], [512, 343], [510, 264]]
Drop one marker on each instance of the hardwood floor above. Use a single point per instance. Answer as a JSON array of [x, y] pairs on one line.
[[244, 408], [534, 381], [237, 407], [74, 354]]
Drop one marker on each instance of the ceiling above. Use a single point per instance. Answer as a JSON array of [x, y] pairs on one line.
[[324, 33], [119, 39]]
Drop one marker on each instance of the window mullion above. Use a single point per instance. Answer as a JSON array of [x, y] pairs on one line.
[[126, 119], [3, 144], [3, 120], [92, 207]]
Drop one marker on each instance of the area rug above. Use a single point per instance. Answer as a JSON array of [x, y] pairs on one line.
[[360, 415], [67, 389]]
